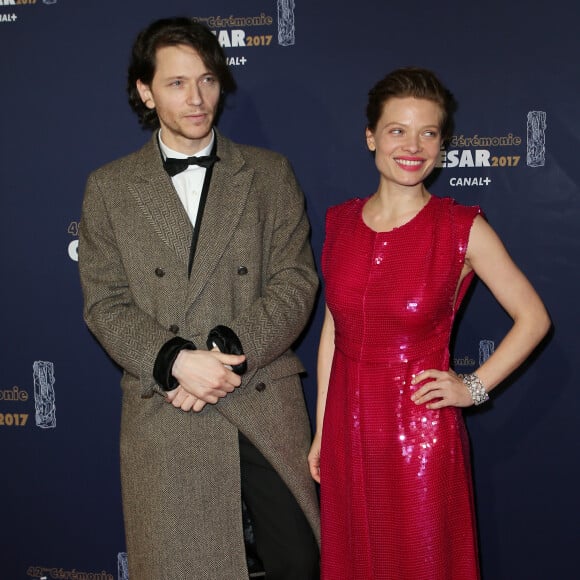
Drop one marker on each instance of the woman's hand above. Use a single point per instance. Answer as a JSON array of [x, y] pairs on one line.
[[314, 459], [444, 389]]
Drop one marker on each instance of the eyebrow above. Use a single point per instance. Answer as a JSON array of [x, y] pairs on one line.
[[431, 126]]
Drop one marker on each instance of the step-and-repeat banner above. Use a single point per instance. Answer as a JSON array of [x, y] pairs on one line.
[[304, 69]]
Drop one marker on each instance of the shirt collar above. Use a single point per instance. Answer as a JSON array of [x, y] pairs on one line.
[[168, 152]]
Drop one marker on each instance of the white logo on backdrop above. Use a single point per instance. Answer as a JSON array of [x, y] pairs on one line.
[[536, 154], [73, 250], [122, 566], [486, 349], [44, 395], [286, 28]]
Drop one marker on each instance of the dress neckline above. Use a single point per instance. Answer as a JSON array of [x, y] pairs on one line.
[[397, 228]]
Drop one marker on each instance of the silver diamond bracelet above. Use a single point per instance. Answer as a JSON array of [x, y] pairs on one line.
[[475, 388]]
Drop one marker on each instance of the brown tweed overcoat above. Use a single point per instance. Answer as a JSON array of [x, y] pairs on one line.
[[253, 272]]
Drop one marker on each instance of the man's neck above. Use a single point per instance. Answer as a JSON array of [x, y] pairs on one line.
[[169, 151]]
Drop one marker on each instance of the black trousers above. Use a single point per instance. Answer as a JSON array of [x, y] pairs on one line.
[[284, 539]]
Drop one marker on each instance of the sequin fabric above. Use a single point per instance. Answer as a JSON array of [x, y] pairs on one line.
[[396, 491]]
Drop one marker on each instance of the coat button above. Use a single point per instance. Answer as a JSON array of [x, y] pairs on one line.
[[242, 270], [260, 387], [159, 272], [174, 328]]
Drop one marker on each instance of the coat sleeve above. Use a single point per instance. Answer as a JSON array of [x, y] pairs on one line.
[[274, 321], [131, 337]]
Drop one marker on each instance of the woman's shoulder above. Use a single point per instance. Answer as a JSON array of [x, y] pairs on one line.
[[350, 207], [456, 209]]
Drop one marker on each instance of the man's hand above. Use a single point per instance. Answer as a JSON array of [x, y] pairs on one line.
[[205, 376], [181, 399]]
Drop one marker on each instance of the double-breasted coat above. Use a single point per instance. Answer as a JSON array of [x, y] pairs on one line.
[[254, 272]]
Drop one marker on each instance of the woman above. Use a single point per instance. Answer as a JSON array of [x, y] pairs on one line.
[[393, 457]]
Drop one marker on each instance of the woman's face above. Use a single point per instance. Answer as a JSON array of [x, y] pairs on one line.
[[407, 140]]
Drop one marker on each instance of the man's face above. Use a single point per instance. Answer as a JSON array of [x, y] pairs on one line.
[[185, 95]]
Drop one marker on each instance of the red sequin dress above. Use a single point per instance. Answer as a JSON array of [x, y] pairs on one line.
[[396, 491]]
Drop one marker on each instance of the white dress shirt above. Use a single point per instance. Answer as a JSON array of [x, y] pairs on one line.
[[188, 183]]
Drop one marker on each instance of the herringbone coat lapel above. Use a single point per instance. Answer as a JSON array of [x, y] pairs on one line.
[[229, 189], [226, 200], [154, 192]]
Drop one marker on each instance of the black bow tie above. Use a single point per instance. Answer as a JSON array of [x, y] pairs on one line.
[[174, 166]]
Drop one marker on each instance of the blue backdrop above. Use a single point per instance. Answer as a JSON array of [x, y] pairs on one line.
[[304, 69]]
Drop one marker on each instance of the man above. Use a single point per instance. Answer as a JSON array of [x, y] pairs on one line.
[[197, 280]]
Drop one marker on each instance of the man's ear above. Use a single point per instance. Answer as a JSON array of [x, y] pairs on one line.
[[145, 94], [370, 140]]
